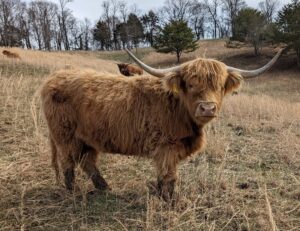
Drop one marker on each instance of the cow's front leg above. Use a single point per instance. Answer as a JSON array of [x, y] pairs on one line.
[[166, 187], [167, 175]]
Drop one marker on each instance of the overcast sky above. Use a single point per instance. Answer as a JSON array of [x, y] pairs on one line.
[[91, 9]]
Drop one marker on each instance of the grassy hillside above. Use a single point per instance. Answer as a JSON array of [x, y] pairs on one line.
[[248, 178]]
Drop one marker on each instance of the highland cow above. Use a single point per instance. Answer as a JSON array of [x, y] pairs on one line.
[[129, 69], [160, 118], [11, 54]]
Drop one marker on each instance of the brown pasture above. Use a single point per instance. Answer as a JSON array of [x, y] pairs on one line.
[[248, 178]]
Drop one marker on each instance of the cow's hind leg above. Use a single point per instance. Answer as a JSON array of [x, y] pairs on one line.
[[68, 155], [88, 165], [54, 160]]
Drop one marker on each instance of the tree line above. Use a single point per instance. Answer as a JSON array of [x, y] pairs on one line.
[[42, 25], [45, 25]]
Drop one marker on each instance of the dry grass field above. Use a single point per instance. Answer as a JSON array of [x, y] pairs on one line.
[[248, 178]]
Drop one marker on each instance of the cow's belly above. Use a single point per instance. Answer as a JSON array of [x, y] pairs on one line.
[[140, 144]]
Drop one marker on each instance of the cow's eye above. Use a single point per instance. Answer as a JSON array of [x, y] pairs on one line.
[[190, 86]]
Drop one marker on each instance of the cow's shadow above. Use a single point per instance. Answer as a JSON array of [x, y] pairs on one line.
[[44, 206]]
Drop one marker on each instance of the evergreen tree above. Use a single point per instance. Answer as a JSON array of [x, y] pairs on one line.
[[102, 34], [135, 29], [122, 32], [250, 26], [288, 26], [150, 23], [175, 37]]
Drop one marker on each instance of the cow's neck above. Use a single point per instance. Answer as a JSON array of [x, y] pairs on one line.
[[194, 141], [187, 131]]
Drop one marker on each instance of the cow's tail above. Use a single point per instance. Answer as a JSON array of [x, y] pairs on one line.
[[54, 160]]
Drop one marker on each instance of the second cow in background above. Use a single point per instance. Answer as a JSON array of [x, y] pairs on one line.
[[129, 69]]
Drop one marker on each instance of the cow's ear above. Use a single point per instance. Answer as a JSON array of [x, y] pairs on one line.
[[233, 82], [172, 81]]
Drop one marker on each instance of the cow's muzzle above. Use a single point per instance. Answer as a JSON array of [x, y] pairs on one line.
[[206, 109]]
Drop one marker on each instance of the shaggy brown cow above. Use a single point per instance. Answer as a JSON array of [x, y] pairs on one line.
[[129, 69], [159, 118], [10, 54]]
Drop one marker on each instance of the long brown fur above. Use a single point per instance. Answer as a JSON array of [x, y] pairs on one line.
[[11, 54], [90, 113]]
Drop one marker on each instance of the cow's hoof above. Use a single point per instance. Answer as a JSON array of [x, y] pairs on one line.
[[103, 186], [100, 183], [166, 190]]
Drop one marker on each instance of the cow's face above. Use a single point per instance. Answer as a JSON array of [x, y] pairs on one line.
[[123, 67], [202, 85]]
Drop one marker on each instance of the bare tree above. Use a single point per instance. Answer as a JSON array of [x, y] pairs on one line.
[[9, 28], [223, 27], [63, 17], [178, 9], [123, 9], [115, 20], [134, 9], [197, 18], [268, 8], [106, 11], [34, 20], [111, 11], [212, 9], [75, 35], [106, 7], [24, 25], [42, 15], [86, 33], [49, 15], [231, 8], [42, 23], [57, 36]]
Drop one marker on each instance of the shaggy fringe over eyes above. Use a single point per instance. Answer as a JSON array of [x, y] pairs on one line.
[[233, 81], [207, 71]]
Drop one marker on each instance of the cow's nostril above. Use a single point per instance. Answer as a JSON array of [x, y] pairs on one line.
[[203, 108], [208, 109], [214, 108]]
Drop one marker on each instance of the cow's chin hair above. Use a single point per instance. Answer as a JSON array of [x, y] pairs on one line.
[[202, 120]]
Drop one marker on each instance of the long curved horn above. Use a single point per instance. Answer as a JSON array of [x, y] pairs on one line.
[[151, 70], [253, 73]]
